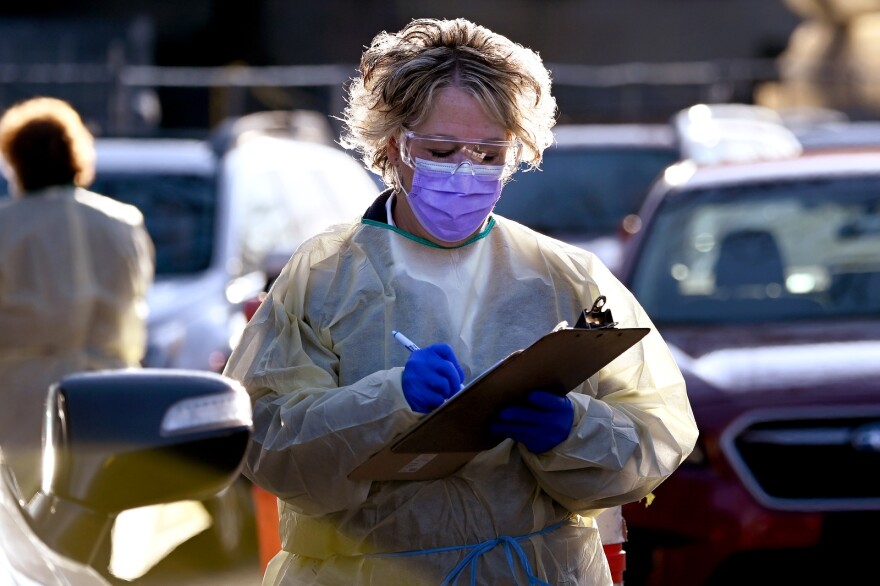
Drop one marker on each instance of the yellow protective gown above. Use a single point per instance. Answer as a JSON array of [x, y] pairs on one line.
[[75, 268], [324, 375]]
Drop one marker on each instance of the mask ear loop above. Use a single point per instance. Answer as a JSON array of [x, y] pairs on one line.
[[404, 157], [398, 180]]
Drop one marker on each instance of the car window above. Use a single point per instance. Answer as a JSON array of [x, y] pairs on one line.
[[179, 212], [738, 253], [584, 191]]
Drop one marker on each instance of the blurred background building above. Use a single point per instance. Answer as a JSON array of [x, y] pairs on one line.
[[164, 67]]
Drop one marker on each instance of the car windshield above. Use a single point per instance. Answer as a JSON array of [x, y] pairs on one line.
[[583, 191], [179, 212], [795, 250]]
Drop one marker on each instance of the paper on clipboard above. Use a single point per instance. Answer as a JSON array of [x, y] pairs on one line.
[[454, 433]]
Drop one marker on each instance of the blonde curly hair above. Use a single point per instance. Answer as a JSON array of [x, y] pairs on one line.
[[401, 72], [45, 142]]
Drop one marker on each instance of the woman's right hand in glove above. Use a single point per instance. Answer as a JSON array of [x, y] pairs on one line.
[[431, 376]]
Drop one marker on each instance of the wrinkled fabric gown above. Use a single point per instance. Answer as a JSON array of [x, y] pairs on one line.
[[324, 375]]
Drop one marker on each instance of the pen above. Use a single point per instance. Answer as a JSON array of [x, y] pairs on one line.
[[404, 341]]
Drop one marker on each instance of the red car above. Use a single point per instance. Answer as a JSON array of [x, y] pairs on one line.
[[764, 278]]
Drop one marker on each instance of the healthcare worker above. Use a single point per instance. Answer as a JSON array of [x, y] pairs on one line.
[[445, 111], [75, 267]]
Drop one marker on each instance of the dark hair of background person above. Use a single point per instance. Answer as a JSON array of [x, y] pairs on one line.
[[46, 143]]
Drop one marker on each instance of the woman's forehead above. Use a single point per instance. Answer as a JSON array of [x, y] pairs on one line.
[[456, 113]]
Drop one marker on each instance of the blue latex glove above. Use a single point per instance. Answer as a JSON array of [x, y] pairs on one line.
[[540, 424], [431, 376]]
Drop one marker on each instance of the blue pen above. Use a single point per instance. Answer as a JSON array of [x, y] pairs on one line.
[[404, 341]]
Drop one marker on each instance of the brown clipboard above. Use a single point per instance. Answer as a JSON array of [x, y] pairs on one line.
[[447, 438]]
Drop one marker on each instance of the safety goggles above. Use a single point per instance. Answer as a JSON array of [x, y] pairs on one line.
[[445, 149]]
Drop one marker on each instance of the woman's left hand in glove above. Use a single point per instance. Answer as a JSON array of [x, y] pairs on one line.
[[541, 423]]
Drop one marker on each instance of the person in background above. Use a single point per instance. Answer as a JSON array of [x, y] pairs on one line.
[[446, 111], [75, 267]]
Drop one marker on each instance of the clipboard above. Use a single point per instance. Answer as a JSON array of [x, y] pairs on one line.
[[450, 436]]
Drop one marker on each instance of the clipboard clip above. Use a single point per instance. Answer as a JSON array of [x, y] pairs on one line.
[[596, 318]]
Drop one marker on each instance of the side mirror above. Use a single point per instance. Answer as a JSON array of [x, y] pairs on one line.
[[123, 439]]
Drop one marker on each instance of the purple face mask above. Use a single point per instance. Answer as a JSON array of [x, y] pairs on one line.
[[452, 200]]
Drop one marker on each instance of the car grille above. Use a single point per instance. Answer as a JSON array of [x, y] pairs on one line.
[[817, 460]]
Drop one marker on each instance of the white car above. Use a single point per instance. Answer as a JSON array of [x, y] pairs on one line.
[[220, 223]]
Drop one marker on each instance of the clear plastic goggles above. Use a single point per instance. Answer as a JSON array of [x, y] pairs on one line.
[[445, 149]]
